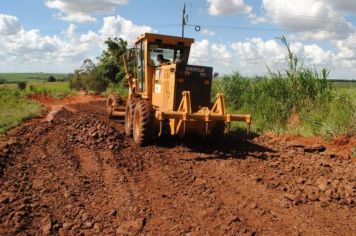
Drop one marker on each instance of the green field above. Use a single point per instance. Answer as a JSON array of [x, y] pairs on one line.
[[34, 77], [322, 107], [344, 83], [55, 89]]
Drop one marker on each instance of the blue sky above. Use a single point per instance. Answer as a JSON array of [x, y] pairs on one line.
[[236, 35]]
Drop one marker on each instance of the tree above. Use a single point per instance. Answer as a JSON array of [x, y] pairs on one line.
[[110, 62], [21, 85], [51, 78], [87, 77], [88, 66], [109, 70]]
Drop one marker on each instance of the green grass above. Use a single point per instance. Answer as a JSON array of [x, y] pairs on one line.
[[321, 109], [116, 88], [317, 105], [344, 84], [35, 77], [54, 89], [15, 108]]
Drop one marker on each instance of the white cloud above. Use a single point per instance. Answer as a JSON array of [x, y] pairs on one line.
[[70, 31], [315, 19], [207, 54], [200, 53], [207, 32], [82, 10], [228, 7], [253, 56], [257, 19], [347, 48], [343, 5], [78, 17], [9, 25], [258, 53], [231, 7], [221, 54], [214, 55], [122, 28], [315, 35], [31, 51], [89, 37], [318, 56]]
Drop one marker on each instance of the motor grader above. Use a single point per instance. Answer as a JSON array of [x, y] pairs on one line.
[[169, 96]]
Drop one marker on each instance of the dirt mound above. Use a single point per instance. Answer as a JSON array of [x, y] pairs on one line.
[[44, 99], [48, 100], [77, 174], [87, 131]]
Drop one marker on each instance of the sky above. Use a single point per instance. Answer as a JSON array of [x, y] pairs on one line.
[[235, 35]]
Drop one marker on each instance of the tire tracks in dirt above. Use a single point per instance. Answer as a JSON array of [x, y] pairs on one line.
[[78, 174]]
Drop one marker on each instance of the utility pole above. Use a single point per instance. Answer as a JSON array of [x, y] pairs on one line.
[[184, 22]]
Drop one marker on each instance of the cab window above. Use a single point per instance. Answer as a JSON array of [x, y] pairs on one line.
[[140, 67], [158, 49]]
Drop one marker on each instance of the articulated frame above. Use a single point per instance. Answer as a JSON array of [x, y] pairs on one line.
[[184, 114]]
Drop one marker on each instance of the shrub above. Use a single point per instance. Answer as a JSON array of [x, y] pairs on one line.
[[51, 78], [21, 85]]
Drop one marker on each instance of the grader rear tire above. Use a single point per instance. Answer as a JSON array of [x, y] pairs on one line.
[[129, 113], [112, 101], [143, 123]]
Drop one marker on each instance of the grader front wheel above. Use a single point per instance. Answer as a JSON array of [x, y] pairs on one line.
[[143, 123], [112, 101]]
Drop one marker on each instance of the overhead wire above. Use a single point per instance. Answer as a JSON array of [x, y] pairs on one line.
[[158, 7]]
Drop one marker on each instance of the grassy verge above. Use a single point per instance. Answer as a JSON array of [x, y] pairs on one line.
[[15, 108]]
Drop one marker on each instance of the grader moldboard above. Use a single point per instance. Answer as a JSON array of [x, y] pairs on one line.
[[168, 96]]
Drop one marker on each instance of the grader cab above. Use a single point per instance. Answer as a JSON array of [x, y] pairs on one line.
[[167, 95]]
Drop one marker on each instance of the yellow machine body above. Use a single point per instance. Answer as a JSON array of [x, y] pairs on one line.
[[179, 93]]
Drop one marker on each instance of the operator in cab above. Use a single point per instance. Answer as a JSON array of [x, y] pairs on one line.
[[161, 60]]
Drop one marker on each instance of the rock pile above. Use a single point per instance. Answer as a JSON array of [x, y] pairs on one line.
[[325, 191], [95, 134], [89, 131]]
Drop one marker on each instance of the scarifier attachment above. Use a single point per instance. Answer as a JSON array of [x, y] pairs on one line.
[[184, 116]]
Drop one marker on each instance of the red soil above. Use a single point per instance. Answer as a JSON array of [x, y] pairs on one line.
[[80, 175]]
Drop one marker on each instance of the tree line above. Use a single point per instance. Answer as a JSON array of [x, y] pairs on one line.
[[109, 69]]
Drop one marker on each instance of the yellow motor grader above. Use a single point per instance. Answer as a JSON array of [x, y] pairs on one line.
[[167, 95]]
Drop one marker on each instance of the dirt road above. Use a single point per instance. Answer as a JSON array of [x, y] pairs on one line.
[[77, 174]]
